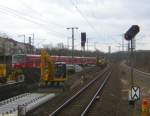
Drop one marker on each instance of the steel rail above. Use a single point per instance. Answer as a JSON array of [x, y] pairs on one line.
[[94, 97], [77, 94]]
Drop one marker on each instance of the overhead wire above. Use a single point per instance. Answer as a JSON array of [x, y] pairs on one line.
[[84, 17], [93, 15], [39, 14], [26, 18]]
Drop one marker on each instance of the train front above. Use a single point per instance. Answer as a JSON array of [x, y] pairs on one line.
[[27, 65]]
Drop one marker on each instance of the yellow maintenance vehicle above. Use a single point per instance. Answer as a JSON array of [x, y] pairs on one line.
[[3, 78], [9, 74], [51, 72], [101, 62]]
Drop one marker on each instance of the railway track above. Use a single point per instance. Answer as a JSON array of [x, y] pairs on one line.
[[81, 102]]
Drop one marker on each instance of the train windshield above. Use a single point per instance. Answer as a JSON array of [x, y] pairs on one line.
[[18, 58]]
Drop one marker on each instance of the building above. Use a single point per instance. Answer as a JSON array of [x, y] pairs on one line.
[[9, 46]]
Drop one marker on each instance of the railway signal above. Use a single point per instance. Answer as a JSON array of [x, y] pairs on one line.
[[83, 39], [129, 35], [132, 32]]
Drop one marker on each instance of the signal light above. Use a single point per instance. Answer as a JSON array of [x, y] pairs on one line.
[[131, 33], [83, 39]]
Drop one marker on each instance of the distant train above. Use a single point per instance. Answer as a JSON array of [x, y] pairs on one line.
[[29, 64], [33, 61]]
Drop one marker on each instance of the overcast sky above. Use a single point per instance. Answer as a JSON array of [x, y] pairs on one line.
[[104, 21]]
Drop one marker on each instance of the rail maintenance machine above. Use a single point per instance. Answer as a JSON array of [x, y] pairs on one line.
[[52, 74], [10, 74]]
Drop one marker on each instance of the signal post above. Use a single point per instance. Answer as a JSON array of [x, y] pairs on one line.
[[134, 93], [83, 41]]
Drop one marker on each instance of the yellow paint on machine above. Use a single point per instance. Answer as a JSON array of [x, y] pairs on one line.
[[51, 72]]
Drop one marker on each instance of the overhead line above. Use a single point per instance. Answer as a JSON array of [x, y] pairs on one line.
[[25, 17], [40, 14], [80, 12], [15, 13]]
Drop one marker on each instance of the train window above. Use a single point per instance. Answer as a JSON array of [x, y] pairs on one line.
[[18, 58], [60, 70]]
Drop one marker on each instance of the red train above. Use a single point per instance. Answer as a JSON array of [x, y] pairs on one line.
[[29, 64], [33, 61]]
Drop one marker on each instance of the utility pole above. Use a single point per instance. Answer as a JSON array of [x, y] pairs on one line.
[[33, 39], [31, 42], [72, 28], [95, 46], [24, 41]]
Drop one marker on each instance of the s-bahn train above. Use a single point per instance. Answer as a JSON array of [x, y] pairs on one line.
[[33, 61], [29, 64]]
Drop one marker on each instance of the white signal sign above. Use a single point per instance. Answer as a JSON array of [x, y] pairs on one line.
[[135, 93]]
